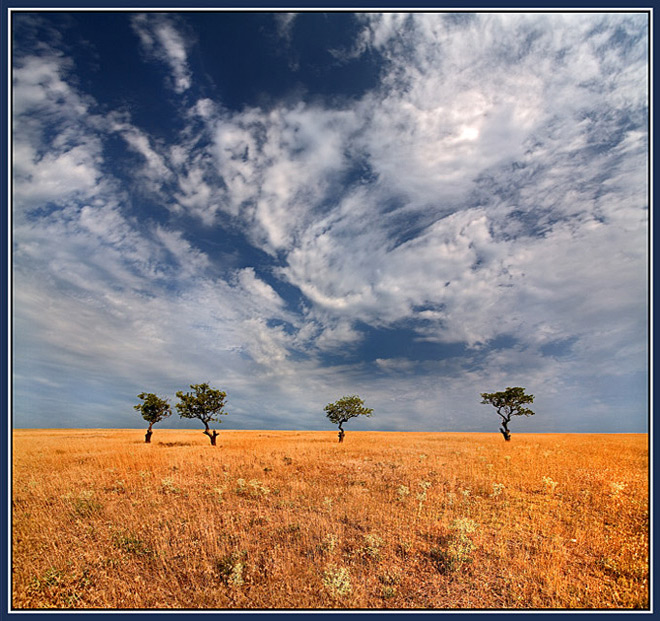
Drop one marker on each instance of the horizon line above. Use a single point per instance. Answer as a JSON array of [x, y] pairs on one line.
[[326, 430]]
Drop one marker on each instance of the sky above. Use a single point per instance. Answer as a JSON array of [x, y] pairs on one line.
[[412, 207]]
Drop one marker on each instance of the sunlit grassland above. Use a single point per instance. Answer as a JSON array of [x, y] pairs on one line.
[[287, 519]]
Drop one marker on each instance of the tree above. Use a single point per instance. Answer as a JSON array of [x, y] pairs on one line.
[[153, 410], [343, 410], [509, 402], [204, 403]]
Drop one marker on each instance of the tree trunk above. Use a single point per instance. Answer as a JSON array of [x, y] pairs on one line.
[[340, 435], [147, 436], [212, 436], [504, 429]]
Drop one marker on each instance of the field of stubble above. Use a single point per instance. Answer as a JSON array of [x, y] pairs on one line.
[[287, 519]]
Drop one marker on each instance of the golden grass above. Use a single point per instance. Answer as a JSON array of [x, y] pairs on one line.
[[285, 519]]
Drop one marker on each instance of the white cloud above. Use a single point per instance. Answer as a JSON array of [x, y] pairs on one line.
[[68, 165], [285, 23], [38, 84], [163, 41], [39, 180], [139, 142], [278, 167], [257, 287]]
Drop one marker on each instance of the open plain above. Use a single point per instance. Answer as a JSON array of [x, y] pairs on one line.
[[292, 519]]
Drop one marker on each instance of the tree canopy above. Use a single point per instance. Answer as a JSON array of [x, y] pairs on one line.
[[153, 410], [204, 403], [344, 409], [508, 403]]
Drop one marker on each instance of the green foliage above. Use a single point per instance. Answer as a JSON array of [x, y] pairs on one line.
[[154, 409], [130, 543], [52, 577], [508, 403], [64, 589], [84, 505], [204, 403], [346, 408]]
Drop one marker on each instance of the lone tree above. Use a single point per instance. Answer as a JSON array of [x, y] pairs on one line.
[[204, 403], [153, 410], [343, 410], [509, 402]]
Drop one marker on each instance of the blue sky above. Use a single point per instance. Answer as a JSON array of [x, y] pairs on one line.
[[413, 207]]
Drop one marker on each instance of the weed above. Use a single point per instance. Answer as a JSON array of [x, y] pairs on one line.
[[85, 504], [65, 590], [337, 580], [372, 545], [402, 493], [231, 568], [289, 530], [616, 488], [404, 548], [388, 592], [51, 577], [253, 489], [167, 486], [257, 488], [330, 543], [464, 525], [390, 577], [497, 489], [131, 544], [550, 485], [421, 496], [219, 491], [327, 546], [118, 487], [457, 548]]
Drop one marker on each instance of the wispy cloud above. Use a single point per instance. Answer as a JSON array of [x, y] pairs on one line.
[[161, 39], [69, 164]]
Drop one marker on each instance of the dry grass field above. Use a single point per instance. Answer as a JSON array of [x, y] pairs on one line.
[[286, 519]]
